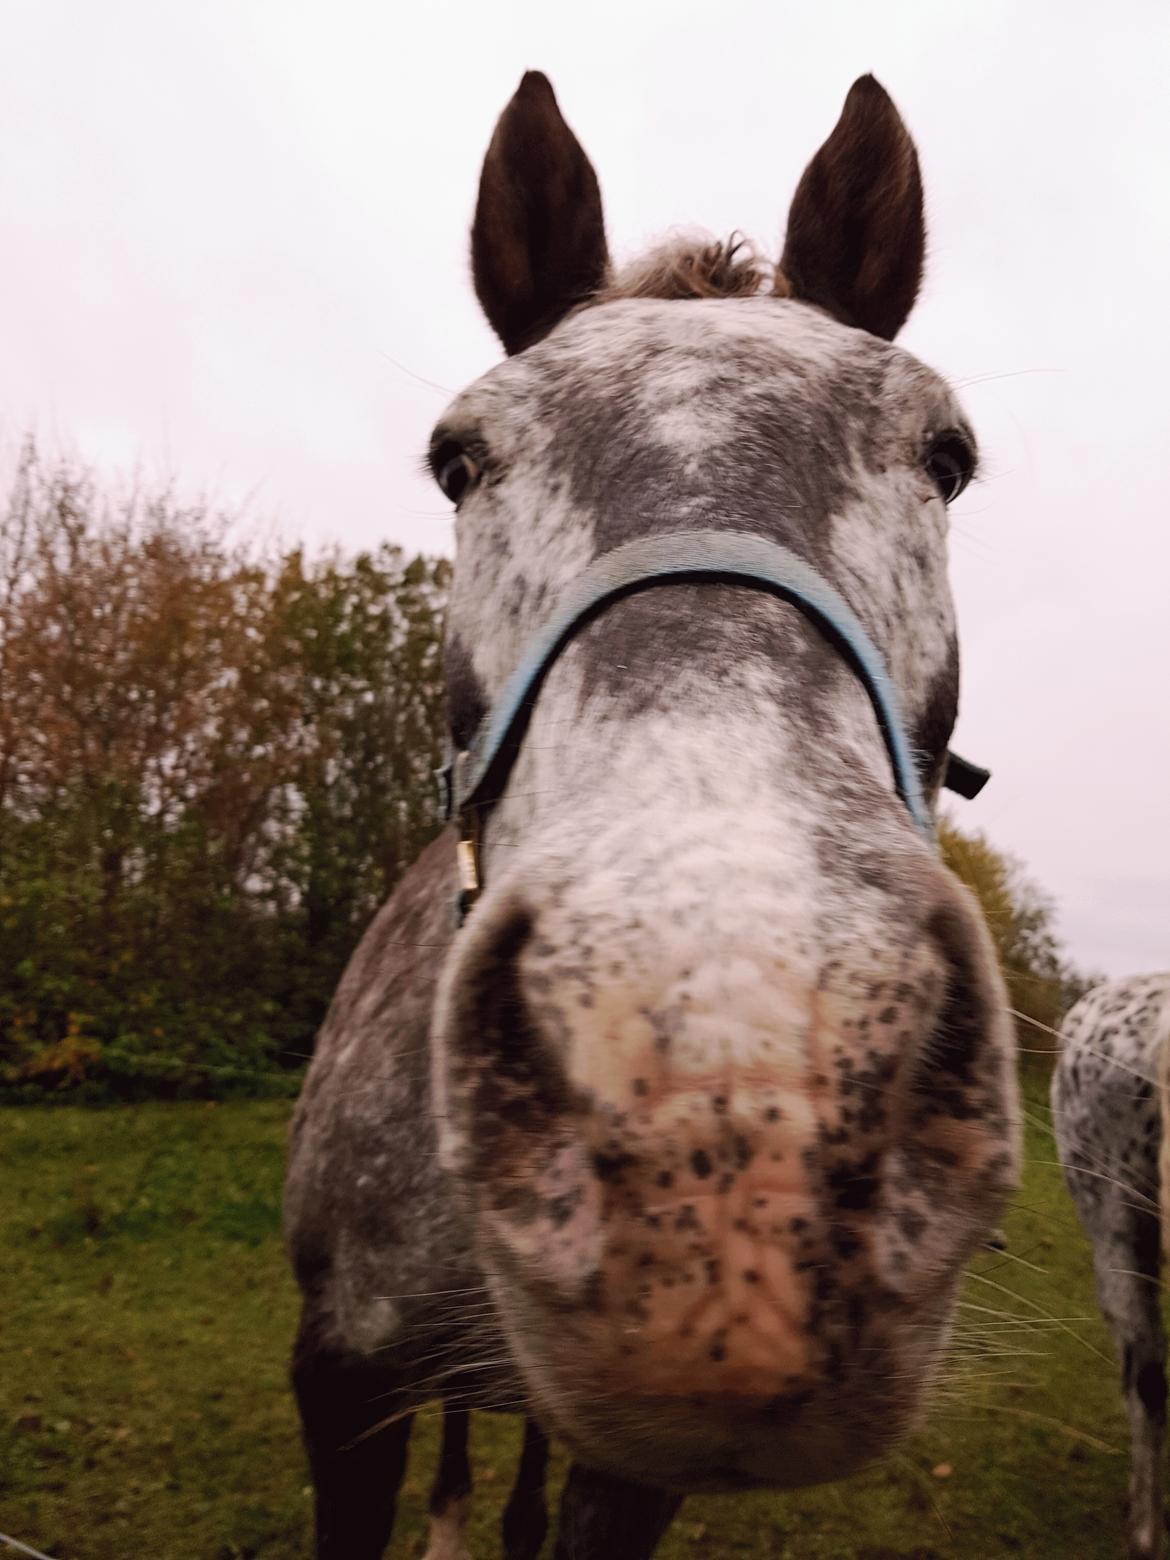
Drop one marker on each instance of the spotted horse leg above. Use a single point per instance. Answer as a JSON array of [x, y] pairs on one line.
[[1126, 1263], [603, 1517], [1131, 1303]]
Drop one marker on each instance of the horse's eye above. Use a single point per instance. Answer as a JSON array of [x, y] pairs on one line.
[[950, 461], [455, 472]]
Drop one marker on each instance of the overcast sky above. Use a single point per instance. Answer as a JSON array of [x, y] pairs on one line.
[[233, 251]]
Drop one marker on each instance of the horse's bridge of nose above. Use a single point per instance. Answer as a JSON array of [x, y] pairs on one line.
[[474, 779]]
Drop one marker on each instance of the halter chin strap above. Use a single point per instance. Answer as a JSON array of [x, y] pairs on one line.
[[475, 778]]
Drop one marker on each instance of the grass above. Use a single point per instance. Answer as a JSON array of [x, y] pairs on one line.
[[146, 1312]]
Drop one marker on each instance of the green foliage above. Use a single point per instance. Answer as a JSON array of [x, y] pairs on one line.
[[1042, 984], [213, 768]]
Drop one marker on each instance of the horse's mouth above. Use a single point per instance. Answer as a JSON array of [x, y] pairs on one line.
[[754, 1456]]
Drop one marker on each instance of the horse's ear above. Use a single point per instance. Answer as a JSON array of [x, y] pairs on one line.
[[538, 239], [856, 234]]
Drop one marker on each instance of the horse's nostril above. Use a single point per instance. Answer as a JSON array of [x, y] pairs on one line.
[[503, 1074], [511, 937], [492, 1013], [969, 1012]]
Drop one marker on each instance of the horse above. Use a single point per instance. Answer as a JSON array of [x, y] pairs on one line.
[[667, 1097], [1109, 1103]]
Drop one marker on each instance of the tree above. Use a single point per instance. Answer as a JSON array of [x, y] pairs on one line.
[[213, 767]]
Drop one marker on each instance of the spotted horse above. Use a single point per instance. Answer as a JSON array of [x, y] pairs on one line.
[[677, 1137], [1109, 1102]]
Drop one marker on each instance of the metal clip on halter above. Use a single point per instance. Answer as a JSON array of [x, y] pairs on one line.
[[467, 854], [451, 784]]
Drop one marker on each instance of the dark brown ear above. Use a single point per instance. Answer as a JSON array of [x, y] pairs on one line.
[[538, 239], [856, 235]]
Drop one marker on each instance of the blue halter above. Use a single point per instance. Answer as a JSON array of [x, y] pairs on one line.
[[475, 778]]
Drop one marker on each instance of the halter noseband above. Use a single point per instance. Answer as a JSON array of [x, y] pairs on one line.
[[474, 779]]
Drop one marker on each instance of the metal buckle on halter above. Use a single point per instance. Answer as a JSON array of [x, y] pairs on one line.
[[467, 860], [451, 780]]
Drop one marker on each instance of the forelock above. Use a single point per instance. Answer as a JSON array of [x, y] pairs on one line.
[[692, 266]]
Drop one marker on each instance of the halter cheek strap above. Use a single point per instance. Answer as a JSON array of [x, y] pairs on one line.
[[475, 778]]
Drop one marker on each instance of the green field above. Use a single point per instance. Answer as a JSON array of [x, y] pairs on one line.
[[145, 1317]]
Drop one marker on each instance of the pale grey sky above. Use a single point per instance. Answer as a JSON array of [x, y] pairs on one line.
[[233, 250]]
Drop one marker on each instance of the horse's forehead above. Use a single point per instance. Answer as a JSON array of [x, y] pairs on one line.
[[758, 335], [697, 363]]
